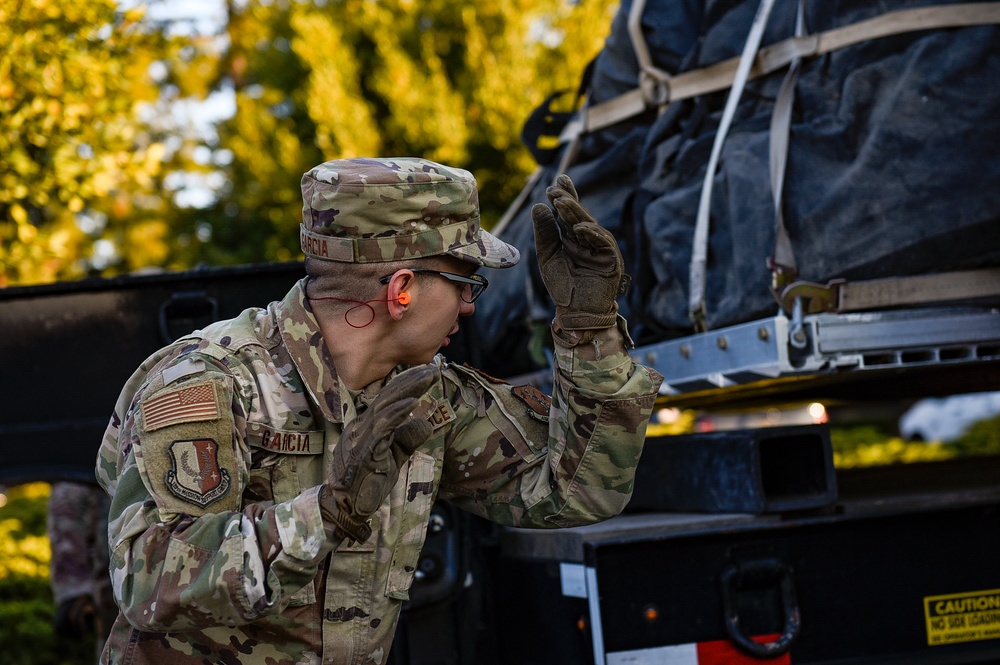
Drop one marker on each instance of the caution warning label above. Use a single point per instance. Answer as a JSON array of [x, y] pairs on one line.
[[963, 617]]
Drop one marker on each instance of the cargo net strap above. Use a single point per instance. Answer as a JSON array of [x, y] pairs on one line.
[[699, 249], [842, 296], [657, 88], [783, 265]]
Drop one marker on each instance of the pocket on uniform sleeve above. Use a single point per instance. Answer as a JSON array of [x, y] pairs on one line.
[[412, 527]]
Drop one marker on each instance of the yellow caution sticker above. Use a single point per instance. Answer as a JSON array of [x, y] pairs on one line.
[[963, 617]]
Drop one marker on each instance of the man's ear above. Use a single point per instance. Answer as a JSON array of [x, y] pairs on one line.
[[399, 295]]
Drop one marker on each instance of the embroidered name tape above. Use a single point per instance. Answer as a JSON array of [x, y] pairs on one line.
[[437, 413], [441, 415], [285, 441]]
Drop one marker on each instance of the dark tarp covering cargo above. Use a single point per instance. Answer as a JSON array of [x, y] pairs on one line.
[[892, 165]]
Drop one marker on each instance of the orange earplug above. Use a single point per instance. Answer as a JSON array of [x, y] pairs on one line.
[[404, 298]]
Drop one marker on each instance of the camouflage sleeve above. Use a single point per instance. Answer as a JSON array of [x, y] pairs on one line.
[[535, 461], [183, 552]]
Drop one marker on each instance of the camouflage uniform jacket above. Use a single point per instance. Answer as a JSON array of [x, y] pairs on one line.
[[214, 456]]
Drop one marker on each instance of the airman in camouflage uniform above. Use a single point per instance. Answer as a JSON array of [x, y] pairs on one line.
[[77, 527], [272, 475]]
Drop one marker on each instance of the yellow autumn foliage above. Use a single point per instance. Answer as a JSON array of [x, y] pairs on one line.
[[69, 84], [93, 157], [23, 554]]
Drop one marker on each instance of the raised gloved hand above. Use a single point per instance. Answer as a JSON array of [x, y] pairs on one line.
[[372, 449], [579, 260]]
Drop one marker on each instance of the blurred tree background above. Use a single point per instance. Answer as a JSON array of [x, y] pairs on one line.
[[132, 137], [75, 157]]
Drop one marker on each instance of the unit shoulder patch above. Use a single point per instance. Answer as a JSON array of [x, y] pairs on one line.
[[195, 474], [533, 398]]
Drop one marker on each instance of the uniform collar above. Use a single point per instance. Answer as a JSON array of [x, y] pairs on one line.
[[303, 339]]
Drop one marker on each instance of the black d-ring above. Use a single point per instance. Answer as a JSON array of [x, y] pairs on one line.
[[770, 571]]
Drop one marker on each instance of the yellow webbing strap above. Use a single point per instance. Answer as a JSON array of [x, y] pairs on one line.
[[842, 296]]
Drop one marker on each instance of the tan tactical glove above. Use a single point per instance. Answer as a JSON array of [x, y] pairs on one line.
[[579, 260], [372, 449]]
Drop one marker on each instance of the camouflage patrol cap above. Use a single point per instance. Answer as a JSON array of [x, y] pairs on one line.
[[370, 210]]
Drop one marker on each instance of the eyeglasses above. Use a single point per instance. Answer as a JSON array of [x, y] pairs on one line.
[[476, 283]]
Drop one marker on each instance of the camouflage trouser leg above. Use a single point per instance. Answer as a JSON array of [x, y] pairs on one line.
[[77, 529]]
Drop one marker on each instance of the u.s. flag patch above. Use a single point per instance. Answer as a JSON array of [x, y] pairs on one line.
[[182, 405]]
